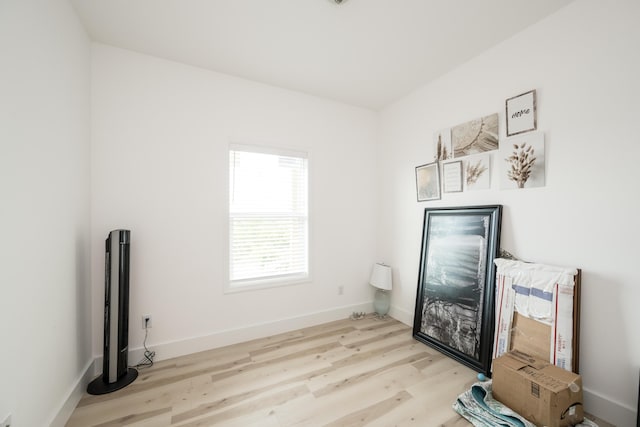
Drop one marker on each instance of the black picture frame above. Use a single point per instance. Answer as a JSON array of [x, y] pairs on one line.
[[454, 310]]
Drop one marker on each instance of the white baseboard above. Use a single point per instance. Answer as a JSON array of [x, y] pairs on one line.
[[171, 349], [402, 315], [73, 397], [608, 410]]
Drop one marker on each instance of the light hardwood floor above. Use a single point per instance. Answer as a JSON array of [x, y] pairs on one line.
[[345, 373]]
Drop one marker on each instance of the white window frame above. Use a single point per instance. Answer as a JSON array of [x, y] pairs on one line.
[[241, 285]]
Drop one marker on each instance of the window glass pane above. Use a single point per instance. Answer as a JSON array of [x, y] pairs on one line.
[[268, 218]]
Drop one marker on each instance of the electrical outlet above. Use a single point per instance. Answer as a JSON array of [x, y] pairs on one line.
[[6, 422], [146, 323], [340, 290]]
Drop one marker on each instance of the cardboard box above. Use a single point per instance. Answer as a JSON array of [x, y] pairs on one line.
[[530, 337], [539, 391]]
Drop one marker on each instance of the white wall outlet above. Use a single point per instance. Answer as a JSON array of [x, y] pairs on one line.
[[340, 290], [146, 323], [6, 422]]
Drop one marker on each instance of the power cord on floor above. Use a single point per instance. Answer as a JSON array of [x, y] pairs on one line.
[[147, 360]]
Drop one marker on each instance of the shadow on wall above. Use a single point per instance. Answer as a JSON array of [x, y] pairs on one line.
[[612, 365], [83, 297]]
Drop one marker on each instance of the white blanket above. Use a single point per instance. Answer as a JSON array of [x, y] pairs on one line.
[[540, 292]]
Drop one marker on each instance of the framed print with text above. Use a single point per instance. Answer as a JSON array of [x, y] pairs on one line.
[[521, 113]]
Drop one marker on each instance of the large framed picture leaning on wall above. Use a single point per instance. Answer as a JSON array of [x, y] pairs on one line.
[[454, 300]]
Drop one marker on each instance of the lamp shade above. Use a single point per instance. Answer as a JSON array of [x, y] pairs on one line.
[[381, 277]]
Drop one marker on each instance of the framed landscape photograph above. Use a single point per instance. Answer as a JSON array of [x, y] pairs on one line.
[[454, 300], [521, 113], [428, 182]]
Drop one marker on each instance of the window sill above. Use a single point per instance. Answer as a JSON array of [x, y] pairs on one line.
[[259, 284]]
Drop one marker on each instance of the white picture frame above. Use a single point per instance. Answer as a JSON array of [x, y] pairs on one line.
[[477, 172], [519, 171]]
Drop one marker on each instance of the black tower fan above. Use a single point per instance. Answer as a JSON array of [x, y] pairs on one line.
[[116, 373]]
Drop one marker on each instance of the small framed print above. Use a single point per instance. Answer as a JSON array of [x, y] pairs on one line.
[[477, 171], [521, 113], [452, 177], [428, 182]]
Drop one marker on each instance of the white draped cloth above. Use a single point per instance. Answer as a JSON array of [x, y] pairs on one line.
[[540, 292]]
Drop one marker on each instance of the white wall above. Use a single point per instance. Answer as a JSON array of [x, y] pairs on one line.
[[584, 62], [160, 135], [45, 343], [160, 140]]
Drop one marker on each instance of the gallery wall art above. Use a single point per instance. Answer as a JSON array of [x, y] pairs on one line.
[[452, 176], [428, 182], [475, 136], [442, 145], [477, 172], [520, 113], [466, 155], [524, 161]]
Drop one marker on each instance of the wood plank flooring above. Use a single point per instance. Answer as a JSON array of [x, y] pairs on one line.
[[345, 373]]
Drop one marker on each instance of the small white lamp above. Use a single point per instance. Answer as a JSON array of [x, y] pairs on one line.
[[381, 279]]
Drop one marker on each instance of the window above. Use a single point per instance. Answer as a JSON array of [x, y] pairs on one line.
[[268, 216]]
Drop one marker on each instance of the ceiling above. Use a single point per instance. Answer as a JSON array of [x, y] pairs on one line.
[[367, 53]]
